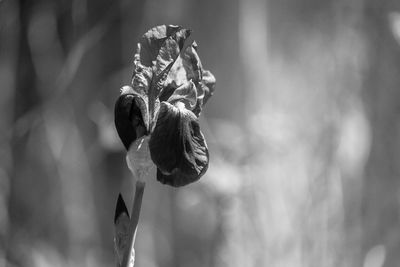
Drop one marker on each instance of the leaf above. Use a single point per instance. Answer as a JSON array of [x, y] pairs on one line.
[[121, 231], [120, 209]]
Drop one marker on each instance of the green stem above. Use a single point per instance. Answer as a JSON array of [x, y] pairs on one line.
[[129, 255]]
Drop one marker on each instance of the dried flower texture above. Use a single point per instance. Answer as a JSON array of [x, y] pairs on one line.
[[169, 88]]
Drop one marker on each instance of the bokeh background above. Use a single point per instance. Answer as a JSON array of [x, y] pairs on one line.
[[303, 131]]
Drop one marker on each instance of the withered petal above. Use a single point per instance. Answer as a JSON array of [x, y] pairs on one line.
[[191, 63], [141, 80], [131, 118], [170, 50], [187, 68], [168, 54], [208, 85], [154, 39], [186, 93], [177, 146], [157, 52]]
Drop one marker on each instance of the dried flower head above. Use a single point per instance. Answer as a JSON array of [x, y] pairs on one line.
[[168, 91]]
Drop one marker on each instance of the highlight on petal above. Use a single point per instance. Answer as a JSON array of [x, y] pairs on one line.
[[177, 146], [131, 117], [142, 78]]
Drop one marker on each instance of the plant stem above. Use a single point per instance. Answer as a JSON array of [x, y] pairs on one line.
[[129, 255]]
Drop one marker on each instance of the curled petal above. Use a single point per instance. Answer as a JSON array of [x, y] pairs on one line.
[[169, 38], [156, 53], [208, 85], [150, 44], [205, 89], [167, 55], [170, 49], [185, 94], [131, 118], [192, 64], [187, 68], [177, 146], [168, 90], [141, 80]]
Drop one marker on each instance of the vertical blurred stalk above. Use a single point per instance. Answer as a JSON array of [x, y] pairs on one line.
[[62, 122], [353, 126], [301, 76], [253, 45], [8, 59], [251, 241], [381, 213]]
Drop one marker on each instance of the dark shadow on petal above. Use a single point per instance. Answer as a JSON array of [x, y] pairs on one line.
[[167, 92], [177, 146], [131, 118]]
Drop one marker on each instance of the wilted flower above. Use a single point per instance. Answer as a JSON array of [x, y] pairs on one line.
[[168, 90]]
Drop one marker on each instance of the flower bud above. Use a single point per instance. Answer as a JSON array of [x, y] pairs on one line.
[[138, 158]]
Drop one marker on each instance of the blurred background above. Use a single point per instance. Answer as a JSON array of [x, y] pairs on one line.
[[303, 131]]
